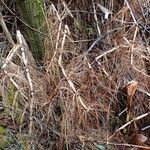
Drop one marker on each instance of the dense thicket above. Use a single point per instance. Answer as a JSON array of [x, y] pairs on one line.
[[75, 74]]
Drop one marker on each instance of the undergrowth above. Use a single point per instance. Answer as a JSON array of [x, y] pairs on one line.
[[79, 98]]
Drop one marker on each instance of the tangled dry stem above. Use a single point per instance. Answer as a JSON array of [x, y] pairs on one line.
[[74, 103]]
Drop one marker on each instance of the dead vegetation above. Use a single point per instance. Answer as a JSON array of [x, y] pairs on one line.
[[93, 91]]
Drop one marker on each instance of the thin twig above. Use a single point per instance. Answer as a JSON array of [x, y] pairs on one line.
[[145, 128], [5, 29], [132, 46], [131, 12], [58, 36], [67, 9], [128, 145], [14, 82], [10, 55], [92, 46], [95, 17], [107, 52], [128, 123], [141, 72], [143, 91], [71, 84]]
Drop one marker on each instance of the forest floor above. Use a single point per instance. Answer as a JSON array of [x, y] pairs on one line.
[[92, 88]]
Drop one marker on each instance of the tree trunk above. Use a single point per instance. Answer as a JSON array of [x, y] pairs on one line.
[[33, 14]]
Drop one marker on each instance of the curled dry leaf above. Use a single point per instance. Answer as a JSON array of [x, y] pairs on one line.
[[140, 139], [131, 88]]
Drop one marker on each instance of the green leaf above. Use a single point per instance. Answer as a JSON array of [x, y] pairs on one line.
[[100, 147]]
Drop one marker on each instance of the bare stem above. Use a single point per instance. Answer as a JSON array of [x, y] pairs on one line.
[[5, 29]]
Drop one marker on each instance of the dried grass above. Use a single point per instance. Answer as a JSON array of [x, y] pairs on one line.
[[74, 102]]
